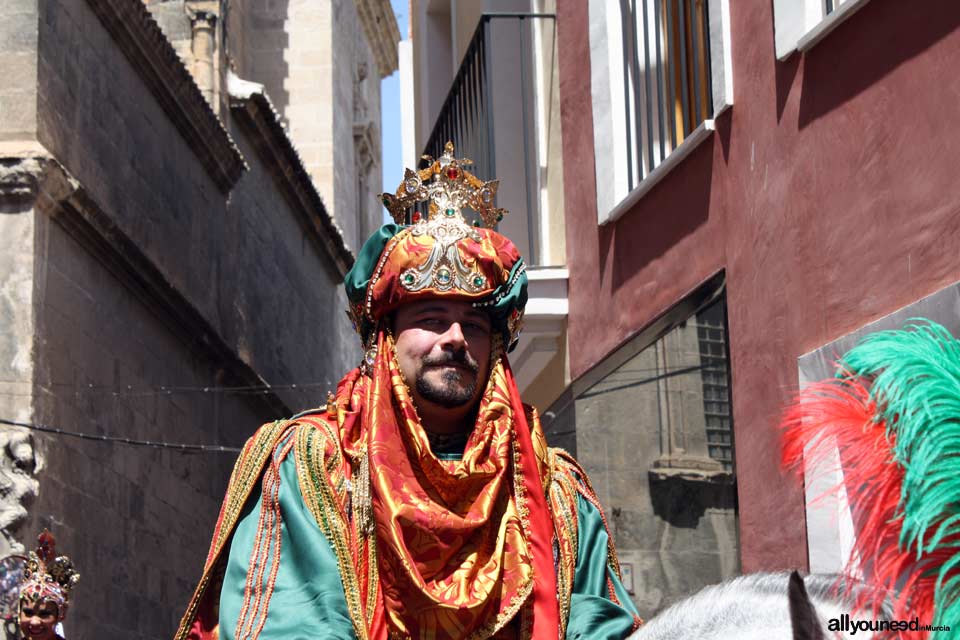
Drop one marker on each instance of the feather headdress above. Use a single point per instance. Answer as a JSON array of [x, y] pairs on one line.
[[894, 413]]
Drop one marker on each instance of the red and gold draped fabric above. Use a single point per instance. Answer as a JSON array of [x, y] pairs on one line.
[[459, 549], [462, 545]]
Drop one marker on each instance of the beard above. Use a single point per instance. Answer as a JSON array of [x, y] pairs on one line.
[[455, 387]]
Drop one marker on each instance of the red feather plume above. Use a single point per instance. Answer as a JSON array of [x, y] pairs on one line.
[[841, 412]]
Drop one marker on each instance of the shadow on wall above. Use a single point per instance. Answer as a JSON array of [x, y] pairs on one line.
[[560, 423], [785, 72], [266, 43], [872, 43], [662, 218], [682, 503]]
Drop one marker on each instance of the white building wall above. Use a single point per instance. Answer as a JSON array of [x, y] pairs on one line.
[[408, 107]]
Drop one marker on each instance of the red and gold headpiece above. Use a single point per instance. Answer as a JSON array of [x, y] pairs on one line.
[[47, 576], [439, 255]]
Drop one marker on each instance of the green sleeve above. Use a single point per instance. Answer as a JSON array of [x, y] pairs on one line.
[[308, 599], [592, 614]]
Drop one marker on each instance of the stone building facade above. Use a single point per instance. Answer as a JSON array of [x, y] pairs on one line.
[[169, 272], [321, 64]]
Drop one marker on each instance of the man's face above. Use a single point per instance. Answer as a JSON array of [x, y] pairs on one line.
[[443, 349], [38, 619]]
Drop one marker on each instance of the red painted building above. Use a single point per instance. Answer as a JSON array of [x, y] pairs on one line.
[[810, 194]]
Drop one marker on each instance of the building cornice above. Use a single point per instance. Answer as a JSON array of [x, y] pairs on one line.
[[253, 111], [139, 37], [383, 34]]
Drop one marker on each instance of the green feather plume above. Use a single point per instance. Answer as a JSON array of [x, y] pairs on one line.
[[915, 376]]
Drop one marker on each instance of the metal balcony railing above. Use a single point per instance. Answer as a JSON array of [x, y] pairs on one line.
[[491, 116], [829, 6]]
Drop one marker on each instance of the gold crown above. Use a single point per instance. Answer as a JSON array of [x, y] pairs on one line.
[[448, 187]]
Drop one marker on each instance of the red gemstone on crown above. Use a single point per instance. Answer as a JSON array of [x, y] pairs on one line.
[[453, 173], [416, 216]]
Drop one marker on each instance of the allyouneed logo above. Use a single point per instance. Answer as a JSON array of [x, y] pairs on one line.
[[846, 623]]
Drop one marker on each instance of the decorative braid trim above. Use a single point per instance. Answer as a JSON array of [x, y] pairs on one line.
[[505, 288], [585, 489], [373, 577], [266, 551], [378, 271], [563, 490], [244, 477], [319, 464]]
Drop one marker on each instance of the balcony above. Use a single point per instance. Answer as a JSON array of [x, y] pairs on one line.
[[502, 112], [496, 113]]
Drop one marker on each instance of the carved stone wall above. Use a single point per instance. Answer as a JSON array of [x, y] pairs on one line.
[[31, 184], [321, 67], [156, 259], [19, 462]]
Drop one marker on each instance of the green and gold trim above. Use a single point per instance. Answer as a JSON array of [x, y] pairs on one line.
[[243, 479]]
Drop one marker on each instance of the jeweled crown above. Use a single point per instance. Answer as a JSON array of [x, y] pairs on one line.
[[448, 188], [46, 575]]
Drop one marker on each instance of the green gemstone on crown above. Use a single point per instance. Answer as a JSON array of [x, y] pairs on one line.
[[478, 281], [443, 276], [450, 212]]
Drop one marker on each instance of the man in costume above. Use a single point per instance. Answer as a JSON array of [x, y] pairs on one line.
[[422, 500], [45, 591]]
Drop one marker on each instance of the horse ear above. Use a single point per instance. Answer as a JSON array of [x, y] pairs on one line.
[[803, 616]]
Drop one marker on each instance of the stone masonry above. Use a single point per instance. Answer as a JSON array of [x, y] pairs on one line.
[[321, 67], [169, 273]]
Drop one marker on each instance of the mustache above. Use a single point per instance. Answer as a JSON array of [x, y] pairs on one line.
[[459, 358]]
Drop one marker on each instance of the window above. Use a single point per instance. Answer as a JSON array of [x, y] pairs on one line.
[[712, 336], [652, 425], [800, 24], [660, 72]]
